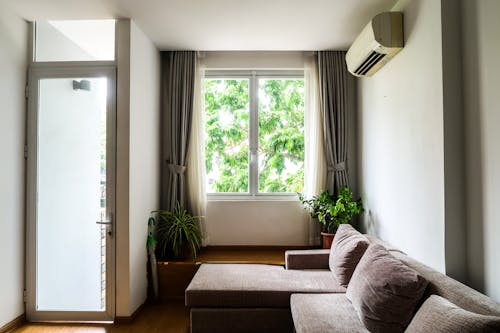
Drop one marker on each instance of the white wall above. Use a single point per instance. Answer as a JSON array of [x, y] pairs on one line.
[[481, 47], [144, 154], [137, 160], [429, 131], [401, 147], [13, 55], [253, 59], [254, 222]]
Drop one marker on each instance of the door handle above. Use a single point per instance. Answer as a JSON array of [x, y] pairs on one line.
[[108, 223]]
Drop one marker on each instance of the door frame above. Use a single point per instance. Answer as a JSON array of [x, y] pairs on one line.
[[42, 70]]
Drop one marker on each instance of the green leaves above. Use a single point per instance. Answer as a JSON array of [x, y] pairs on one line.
[[227, 129], [151, 241], [332, 211], [280, 135], [174, 230]]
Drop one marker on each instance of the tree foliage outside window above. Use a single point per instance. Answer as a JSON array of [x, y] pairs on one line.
[[227, 130], [280, 135]]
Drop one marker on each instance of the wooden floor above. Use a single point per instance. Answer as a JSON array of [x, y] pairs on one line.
[[171, 317], [242, 255]]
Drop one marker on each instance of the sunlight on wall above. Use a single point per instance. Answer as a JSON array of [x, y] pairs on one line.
[[75, 40]]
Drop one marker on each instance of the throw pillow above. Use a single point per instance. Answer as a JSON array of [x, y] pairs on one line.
[[384, 291], [348, 247], [438, 315]]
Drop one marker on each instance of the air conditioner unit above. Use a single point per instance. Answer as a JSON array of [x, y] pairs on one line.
[[379, 41]]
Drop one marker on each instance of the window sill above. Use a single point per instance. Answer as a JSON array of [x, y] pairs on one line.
[[248, 197]]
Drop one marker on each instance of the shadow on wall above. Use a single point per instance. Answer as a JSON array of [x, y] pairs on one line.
[[474, 148], [408, 21], [369, 223]]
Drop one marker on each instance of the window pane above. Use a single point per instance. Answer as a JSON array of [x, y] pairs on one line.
[[227, 114], [281, 135], [71, 169], [75, 40]]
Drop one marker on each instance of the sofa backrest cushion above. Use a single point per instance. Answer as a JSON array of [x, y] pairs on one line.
[[348, 247], [384, 291], [438, 315], [449, 288]]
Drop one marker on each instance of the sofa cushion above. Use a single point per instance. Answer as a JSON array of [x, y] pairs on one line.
[[454, 291], [240, 320], [246, 285], [319, 313], [348, 247], [384, 291], [439, 315], [307, 259]]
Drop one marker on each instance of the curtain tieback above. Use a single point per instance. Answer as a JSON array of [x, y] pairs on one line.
[[175, 168], [337, 168]]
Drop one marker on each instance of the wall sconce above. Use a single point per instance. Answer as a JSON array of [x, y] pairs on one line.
[[81, 85]]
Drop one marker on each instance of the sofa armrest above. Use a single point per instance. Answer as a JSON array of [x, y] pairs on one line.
[[307, 259]]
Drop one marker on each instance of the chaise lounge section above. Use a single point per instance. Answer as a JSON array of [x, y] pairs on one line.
[[253, 298]]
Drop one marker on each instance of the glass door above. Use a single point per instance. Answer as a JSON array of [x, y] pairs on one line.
[[71, 154]]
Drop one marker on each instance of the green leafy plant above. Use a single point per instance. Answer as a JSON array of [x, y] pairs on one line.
[[332, 211], [176, 230], [318, 206]]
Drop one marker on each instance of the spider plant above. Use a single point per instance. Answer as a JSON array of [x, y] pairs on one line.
[[175, 231]]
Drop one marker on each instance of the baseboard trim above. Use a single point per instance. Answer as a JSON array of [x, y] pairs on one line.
[[14, 324], [128, 319], [257, 247]]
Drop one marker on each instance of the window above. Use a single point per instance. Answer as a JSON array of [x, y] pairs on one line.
[[75, 40], [255, 132]]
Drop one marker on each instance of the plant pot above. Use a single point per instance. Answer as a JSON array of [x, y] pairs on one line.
[[185, 254], [174, 278], [327, 240]]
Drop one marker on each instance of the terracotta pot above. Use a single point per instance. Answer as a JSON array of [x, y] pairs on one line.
[[327, 240]]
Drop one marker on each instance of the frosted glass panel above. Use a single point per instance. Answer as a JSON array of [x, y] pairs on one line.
[[70, 273], [76, 40]]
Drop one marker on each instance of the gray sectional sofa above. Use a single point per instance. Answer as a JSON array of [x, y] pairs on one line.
[[306, 297]]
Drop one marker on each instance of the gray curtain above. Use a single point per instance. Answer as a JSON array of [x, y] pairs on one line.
[[178, 77], [334, 83]]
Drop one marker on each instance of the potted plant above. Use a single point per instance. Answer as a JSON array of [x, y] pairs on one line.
[[177, 233], [332, 211]]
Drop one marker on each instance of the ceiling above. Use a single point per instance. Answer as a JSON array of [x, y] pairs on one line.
[[224, 24]]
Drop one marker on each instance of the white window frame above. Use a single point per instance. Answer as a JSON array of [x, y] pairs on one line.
[[253, 77], [62, 69]]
